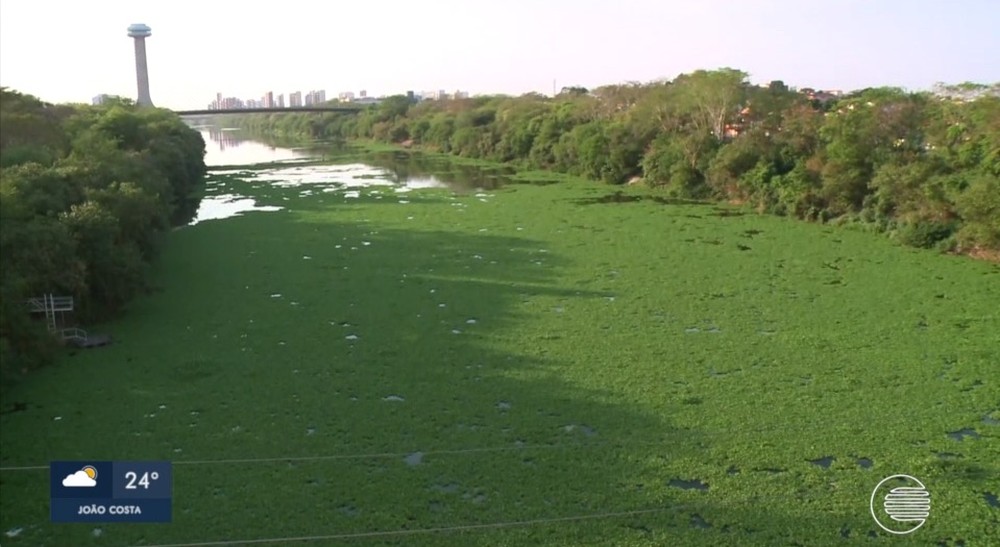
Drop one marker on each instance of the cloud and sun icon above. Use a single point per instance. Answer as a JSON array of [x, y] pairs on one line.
[[84, 477]]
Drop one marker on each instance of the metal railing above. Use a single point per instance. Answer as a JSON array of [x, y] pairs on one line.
[[74, 334]]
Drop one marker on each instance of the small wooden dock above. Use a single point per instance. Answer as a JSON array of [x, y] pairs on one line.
[[91, 341]]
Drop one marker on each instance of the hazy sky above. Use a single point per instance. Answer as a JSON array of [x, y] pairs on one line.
[[65, 51]]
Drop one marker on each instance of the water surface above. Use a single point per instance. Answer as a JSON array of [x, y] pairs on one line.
[[229, 146], [323, 169]]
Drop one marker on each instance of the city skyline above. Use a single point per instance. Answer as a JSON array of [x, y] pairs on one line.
[[859, 44], [272, 99], [269, 99]]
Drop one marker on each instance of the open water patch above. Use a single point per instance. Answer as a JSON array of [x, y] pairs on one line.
[[585, 429], [684, 484], [698, 522], [421, 184], [349, 177], [447, 488], [991, 500], [293, 176], [227, 206], [961, 434], [823, 462]]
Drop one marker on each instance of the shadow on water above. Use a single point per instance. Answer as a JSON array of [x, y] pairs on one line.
[[278, 336], [622, 197], [338, 338], [403, 166], [394, 346]]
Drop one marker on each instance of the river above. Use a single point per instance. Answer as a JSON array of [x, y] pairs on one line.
[[326, 166], [228, 146]]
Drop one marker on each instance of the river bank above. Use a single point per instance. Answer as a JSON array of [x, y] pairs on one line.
[[404, 359]]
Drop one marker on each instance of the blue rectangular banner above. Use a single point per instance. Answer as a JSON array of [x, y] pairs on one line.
[[125, 491]]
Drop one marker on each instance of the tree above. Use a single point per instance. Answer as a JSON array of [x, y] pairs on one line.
[[85, 193], [979, 207], [909, 164], [711, 98]]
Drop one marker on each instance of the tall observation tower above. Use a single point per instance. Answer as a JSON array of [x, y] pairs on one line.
[[139, 32]]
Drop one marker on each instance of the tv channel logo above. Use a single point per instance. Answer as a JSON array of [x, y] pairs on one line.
[[900, 504]]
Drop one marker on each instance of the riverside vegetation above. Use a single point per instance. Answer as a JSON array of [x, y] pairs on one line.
[[922, 167], [86, 194], [380, 362], [387, 364]]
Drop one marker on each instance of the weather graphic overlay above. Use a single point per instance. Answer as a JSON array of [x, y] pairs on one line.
[[104, 491], [900, 504]]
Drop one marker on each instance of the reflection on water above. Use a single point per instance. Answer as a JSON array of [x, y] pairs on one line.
[[399, 172], [227, 146], [225, 206], [343, 176], [225, 137], [403, 170]]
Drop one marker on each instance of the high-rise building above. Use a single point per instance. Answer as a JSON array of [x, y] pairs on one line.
[[100, 99], [348, 96], [295, 99], [139, 32], [269, 100], [315, 97], [364, 93], [435, 95], [281, 100]]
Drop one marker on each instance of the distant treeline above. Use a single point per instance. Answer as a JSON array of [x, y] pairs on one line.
[[85, 194], [923, 168]]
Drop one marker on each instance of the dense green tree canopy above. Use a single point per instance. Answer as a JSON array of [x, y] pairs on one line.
[[85, 194], [921, 166]]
